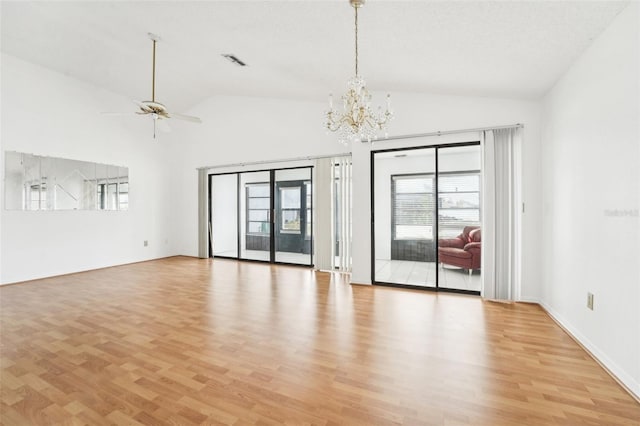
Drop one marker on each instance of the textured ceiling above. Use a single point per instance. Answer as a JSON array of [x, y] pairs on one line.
[[304, 49]]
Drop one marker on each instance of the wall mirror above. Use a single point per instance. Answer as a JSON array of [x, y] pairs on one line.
[[33, 182]]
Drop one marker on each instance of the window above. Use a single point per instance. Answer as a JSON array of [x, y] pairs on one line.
[[458, 202], [290, 209], [258, 207], [412, 207]]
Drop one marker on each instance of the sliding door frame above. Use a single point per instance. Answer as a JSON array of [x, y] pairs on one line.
[[272, 218], [436, 148]]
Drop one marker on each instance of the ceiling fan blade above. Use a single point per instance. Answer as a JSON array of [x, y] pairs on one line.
[[185, 117], [118, 113]]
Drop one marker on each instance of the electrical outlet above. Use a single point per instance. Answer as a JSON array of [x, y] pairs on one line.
[[146, 243], [590, 301]]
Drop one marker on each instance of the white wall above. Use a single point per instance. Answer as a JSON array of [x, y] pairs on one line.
[[590, 157], [243, 129], [47, 113]]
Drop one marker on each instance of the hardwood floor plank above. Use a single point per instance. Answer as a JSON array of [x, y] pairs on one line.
[[184, 341]]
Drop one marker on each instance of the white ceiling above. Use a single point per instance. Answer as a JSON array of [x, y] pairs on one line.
[[304, 49]]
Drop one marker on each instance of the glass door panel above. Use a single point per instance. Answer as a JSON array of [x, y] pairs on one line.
[[459, 213], [293, 219], [255, 215], [404, 217], [224, 215]]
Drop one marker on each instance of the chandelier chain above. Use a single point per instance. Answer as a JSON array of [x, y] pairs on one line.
[[356, 25]]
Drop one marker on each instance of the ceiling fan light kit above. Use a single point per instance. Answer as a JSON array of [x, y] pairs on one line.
[[357, 122]]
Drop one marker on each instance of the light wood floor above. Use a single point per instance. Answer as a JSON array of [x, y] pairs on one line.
[[184, 341]]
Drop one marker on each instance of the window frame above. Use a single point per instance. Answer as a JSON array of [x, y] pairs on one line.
[[248, 209], [282, 210]]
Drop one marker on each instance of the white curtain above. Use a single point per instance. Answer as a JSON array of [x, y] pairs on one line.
[[322, 206], [332, 205], [341, 174], [501, 220], [203, 214]]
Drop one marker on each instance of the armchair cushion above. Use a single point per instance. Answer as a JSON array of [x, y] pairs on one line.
[[454, 252], [473, 246], [452, 242]]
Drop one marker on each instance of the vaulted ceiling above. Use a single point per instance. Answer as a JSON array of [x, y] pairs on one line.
[[304, 49]]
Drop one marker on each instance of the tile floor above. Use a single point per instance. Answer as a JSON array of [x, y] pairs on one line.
[[424, 274]]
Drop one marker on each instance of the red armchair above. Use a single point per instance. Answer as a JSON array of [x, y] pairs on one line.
[[462, 251]]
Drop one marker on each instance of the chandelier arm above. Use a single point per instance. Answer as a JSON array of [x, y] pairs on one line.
[[332, 124]]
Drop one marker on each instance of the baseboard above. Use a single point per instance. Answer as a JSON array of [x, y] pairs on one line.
[[618, 374], [356, 283], [359, 280]]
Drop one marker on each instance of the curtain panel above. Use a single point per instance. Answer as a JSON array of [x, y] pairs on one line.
[[203, 214], [501, 214]]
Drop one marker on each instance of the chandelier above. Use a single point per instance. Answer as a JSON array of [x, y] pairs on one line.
[[357, 122]]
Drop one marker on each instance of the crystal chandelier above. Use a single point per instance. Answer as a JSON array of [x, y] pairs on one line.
[[357, 122]]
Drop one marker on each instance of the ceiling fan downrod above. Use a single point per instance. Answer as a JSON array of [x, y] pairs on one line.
[[155, 39]]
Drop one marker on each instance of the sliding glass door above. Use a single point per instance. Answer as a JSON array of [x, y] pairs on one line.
[[459, 218], [223, 223], [263, 215], [425, 214], [293, 223], [404, 213], [255, 216]]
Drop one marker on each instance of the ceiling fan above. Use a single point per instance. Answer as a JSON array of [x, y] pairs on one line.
[[157, 111]]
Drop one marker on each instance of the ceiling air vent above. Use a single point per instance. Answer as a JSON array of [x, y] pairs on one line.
[[233, 59]]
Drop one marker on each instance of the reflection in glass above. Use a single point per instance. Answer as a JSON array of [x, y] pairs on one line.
[[34, 182]]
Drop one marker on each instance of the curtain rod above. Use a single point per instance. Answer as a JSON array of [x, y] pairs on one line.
[[447, 132], [255, 163], [348, 154]]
